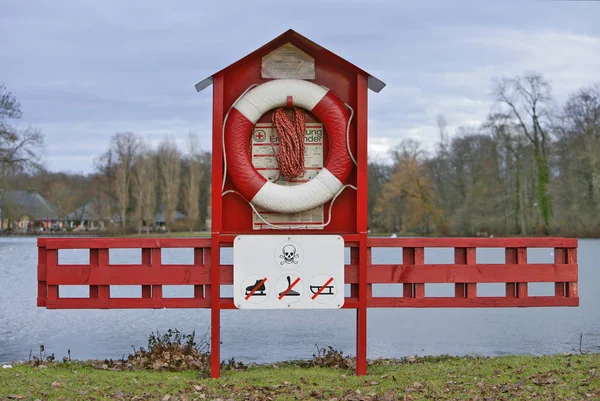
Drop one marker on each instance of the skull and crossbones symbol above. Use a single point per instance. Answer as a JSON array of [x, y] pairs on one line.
[[289, 255]]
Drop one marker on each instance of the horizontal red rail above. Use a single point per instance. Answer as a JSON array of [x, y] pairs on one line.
[[413, 274]]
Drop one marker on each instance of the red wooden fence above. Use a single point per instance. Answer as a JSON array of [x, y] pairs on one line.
[[99, 275]]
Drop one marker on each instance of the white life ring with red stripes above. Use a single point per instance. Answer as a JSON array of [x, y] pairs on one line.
[[321, 102]]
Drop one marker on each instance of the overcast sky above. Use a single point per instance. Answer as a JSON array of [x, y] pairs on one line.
[[86, 70]]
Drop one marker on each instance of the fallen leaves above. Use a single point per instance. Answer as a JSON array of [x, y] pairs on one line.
[[542, 380]]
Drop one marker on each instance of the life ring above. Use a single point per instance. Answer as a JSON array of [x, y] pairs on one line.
[[326, 106]]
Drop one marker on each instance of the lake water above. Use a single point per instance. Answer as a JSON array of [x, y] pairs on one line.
[[268, 336]]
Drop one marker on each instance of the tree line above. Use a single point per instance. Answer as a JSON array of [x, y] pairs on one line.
[[531, 168], [131, 184], [141, 181]]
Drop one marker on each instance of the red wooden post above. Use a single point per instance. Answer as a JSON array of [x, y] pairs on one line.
[[199, 264], [361, 311], [466, 256], [94, 289], [516, 256], [42, 286], [522, 288], [511, 258], [560, 258], [413, 256], [408, 258], [354, 261], [216, 225], [361, 223], [156, 264], [572, 287], [147, 262], [51, 262], [419, 259]]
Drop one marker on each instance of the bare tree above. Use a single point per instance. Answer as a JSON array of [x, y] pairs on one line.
[[511, 143], [20, 149], [170, 168], [145, 182], [528, 100], [124, 147], [191, 185], [582, 125]]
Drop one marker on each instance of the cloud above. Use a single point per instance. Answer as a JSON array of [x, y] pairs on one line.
[[86, 70]]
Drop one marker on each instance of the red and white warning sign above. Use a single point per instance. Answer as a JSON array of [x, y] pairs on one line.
[[265, 144], [288, 271]]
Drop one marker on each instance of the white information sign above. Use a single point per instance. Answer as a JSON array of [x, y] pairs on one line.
[[288, 61], [288, 271], [265, 143]]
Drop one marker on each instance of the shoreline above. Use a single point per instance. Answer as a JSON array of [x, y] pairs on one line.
[[206, 234]]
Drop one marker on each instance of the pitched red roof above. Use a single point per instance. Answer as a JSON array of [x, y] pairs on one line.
[[291, 36]]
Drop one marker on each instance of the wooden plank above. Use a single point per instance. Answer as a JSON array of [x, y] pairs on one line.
[[560, 258], [419, 288], [351, 275], [93, 264], [479, 302], [140, 275], [110, 243], [208, 263], [227, 303], [128, 275], [127, 303], [41, 275], [51, 262], [522, 287], [518, 256], [146, 262], [572, 287], [156, 268], [386, 242], [408, 259], [369, 260], [351, 272], [199, 266], [477, 273], [103, 261]]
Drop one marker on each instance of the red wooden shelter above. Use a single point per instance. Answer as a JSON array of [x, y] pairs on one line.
[[232, 216]]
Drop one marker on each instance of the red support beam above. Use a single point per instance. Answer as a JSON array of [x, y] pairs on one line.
[[361, 222], [216, 222]]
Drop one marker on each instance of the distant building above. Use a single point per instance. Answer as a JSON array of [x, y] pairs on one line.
[[160, 217], [27, 211], [94, 215]]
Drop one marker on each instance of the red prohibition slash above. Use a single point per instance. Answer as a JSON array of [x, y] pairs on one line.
[[256, 287], [322, 288], [283, 294]]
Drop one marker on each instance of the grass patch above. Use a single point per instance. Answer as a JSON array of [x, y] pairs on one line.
[[454, 378]]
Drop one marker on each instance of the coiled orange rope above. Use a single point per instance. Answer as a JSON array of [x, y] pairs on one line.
[[291, 142]]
